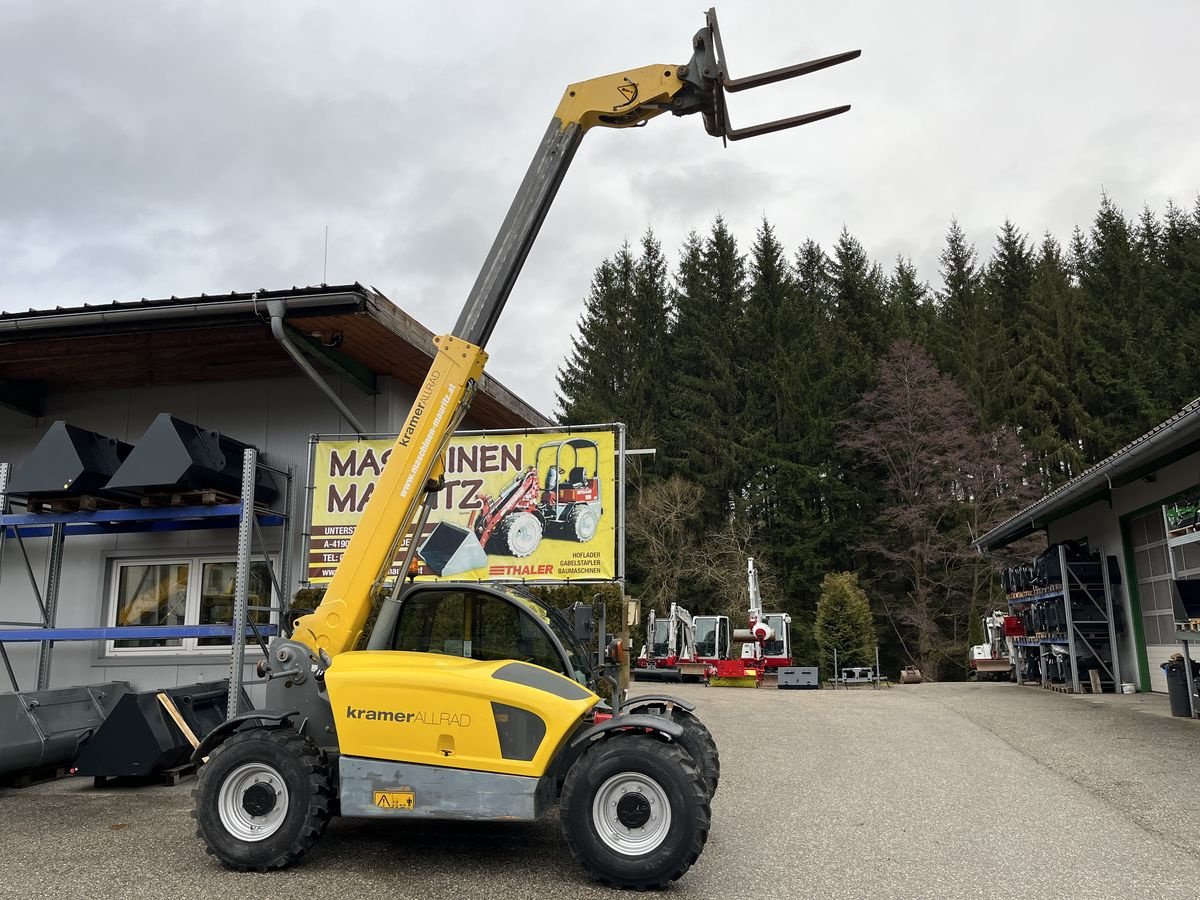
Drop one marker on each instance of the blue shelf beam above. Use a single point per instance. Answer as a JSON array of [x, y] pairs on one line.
[[130, 633], [125, 521]]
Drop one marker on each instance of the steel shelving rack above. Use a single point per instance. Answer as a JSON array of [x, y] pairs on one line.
[[1097, 633], [248, 518]]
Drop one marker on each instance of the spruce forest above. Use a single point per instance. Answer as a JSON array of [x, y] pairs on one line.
[[825, 412]]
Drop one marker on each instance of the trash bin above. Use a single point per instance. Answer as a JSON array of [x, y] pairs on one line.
[[1177, 689]]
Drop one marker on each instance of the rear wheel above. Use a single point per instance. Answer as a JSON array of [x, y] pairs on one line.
[[635, 811], [582, 522], [263, 799], [517, 535]]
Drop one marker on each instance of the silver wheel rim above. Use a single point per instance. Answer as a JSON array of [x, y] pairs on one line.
[[231, 803], [524, 535], [615, 834]]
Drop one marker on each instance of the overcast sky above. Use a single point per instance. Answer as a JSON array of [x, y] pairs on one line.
[[158, 148]]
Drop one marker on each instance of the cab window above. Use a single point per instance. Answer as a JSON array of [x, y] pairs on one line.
[[475, 626]]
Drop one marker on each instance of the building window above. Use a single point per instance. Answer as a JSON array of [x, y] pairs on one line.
[[196, 591]]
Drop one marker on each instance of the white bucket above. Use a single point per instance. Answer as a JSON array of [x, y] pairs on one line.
[[1127, 688]]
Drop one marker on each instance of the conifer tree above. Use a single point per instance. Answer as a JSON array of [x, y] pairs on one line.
[[706, 393], [965, 328]]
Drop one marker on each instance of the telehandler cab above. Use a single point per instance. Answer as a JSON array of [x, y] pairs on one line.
[[474, 701]]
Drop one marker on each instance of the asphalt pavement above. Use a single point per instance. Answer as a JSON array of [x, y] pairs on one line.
[[957, 790]]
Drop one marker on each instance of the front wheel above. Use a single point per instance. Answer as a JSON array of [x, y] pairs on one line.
[[518, 535], [635, 811], [697, 740], [263, 799]]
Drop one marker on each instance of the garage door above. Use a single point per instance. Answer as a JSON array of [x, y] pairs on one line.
[[1148, 541]]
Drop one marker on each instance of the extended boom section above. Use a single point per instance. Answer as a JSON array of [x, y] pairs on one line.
[[338, 622]]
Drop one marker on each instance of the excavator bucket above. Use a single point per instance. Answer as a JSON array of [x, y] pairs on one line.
[[70, 462], [451, 550], [709, 72], [141, 737], [174, 455], [42, 731]]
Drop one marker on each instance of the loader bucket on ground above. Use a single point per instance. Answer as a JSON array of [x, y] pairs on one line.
[[139, 737], [451, 550], [174, 455], [70, 462], [43, 730]]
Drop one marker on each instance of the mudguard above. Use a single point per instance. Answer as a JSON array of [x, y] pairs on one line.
[[635, 703], [657, 724], [229, 726]]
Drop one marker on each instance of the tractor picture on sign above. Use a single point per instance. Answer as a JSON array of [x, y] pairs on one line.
[[563, 503]]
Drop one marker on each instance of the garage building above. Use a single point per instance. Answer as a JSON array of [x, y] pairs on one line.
[[268, 368], [1129, 506]]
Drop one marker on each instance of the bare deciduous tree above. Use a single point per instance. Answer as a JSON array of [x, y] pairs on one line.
[[946, 483]]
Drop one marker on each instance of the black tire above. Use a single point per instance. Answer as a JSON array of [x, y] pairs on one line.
[[659, 773], [582, 522], [698, 741], [517, 535], [297, 765]]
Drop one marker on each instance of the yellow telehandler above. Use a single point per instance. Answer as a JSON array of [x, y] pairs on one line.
[[474, 701]]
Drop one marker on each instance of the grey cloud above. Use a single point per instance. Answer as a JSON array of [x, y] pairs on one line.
[[155, 149]]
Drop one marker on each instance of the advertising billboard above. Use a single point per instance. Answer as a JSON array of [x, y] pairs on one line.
[[531, 506]]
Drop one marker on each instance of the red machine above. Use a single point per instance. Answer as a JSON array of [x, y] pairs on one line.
[[766, 642], [669, 653], [566, 505], [771, 633]]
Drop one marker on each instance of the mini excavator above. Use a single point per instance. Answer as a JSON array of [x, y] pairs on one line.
[[475, 701]]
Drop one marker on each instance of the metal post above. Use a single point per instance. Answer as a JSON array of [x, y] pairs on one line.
[[835, 669], [621, 506], [1066, 599], [306, 520], [876, 667], [241, 584], [1191, 684], [285, 542], [1113, 650], [53, 580], [3, 532]]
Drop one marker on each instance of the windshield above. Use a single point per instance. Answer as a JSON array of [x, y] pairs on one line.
[[776, 646], [706, 636], [578, 658], [658, 646]]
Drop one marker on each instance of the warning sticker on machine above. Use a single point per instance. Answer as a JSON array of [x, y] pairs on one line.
[[394, 799]]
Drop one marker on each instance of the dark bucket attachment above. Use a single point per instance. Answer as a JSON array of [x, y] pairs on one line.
[[70, 462], [660, 675], [43, 730], [140, 738], [174, 455], [451, 550]]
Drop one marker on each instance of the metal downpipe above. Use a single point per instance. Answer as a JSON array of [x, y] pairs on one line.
[[277, 310]]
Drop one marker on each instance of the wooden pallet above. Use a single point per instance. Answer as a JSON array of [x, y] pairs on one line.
[[1059, 688], [37, 776], [86, 503], [189, 498], [1190, 625], [166, 778]]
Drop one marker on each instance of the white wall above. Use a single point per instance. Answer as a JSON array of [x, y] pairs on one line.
[[276, 415]]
